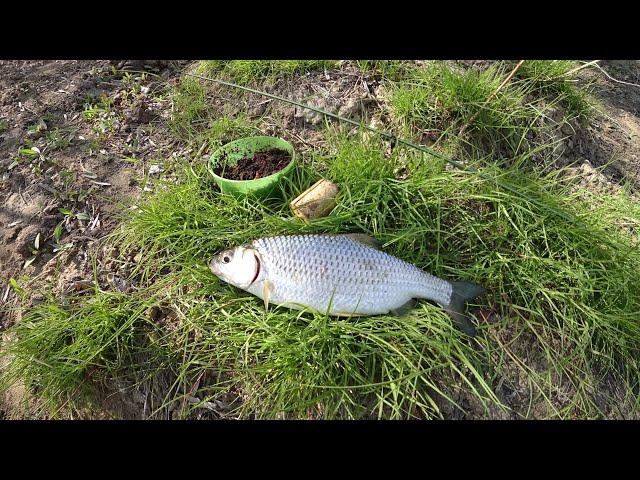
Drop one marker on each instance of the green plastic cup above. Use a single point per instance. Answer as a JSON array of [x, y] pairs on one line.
[[232, 152]]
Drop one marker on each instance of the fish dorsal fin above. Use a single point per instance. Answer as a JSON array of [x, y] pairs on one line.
[[364, 239]]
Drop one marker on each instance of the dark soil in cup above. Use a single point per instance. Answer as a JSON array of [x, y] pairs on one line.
[[262, 164]]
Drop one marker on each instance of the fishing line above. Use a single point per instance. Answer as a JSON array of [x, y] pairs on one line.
[[338, 117]]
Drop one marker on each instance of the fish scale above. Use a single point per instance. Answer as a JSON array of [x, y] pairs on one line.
[[339, 275]]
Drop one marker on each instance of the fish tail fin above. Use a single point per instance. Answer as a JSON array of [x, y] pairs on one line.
[[461, 294]]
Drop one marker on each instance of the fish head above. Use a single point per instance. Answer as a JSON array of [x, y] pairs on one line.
[[239, 266]]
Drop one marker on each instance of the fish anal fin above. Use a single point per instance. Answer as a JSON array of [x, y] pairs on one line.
[[405, 308], [364, 239]]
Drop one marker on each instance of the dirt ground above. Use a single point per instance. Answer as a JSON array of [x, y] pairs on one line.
[[41, 104], [59, 198], [613, 137]]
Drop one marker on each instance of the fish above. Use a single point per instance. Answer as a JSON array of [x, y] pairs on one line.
[[339, 275]]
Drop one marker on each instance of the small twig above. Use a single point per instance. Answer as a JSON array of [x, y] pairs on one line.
[[506, 80], [192, 390], [6, 293], [22, 196]]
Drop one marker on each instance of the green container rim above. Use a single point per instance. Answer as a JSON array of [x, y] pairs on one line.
[[247, 146]]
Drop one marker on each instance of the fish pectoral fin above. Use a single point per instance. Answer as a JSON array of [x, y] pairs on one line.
[[364, 239], [266, 294], [405, 308]]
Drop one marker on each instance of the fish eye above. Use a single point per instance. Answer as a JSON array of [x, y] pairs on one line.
[[226, 259]]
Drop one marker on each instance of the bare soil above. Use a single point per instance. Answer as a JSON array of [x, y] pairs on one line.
[[611, 142], [81, 176]]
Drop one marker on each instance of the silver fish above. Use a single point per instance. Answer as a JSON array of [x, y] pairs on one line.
[[340, 275]]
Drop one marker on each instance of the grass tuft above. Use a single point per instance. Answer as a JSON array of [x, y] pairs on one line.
[[554, 78], [393, 70], [189, 107], [246, 72], [442, 101], [471, 108], [58, 347]]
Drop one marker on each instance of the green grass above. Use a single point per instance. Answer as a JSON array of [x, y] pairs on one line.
[[189, 107], [59, 138], [564, 285], [439, 99], [247, 72], [60, 346], [194, 121], [191, 110], [102, 118], [468, 108], [387, 69], [555, 78]]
